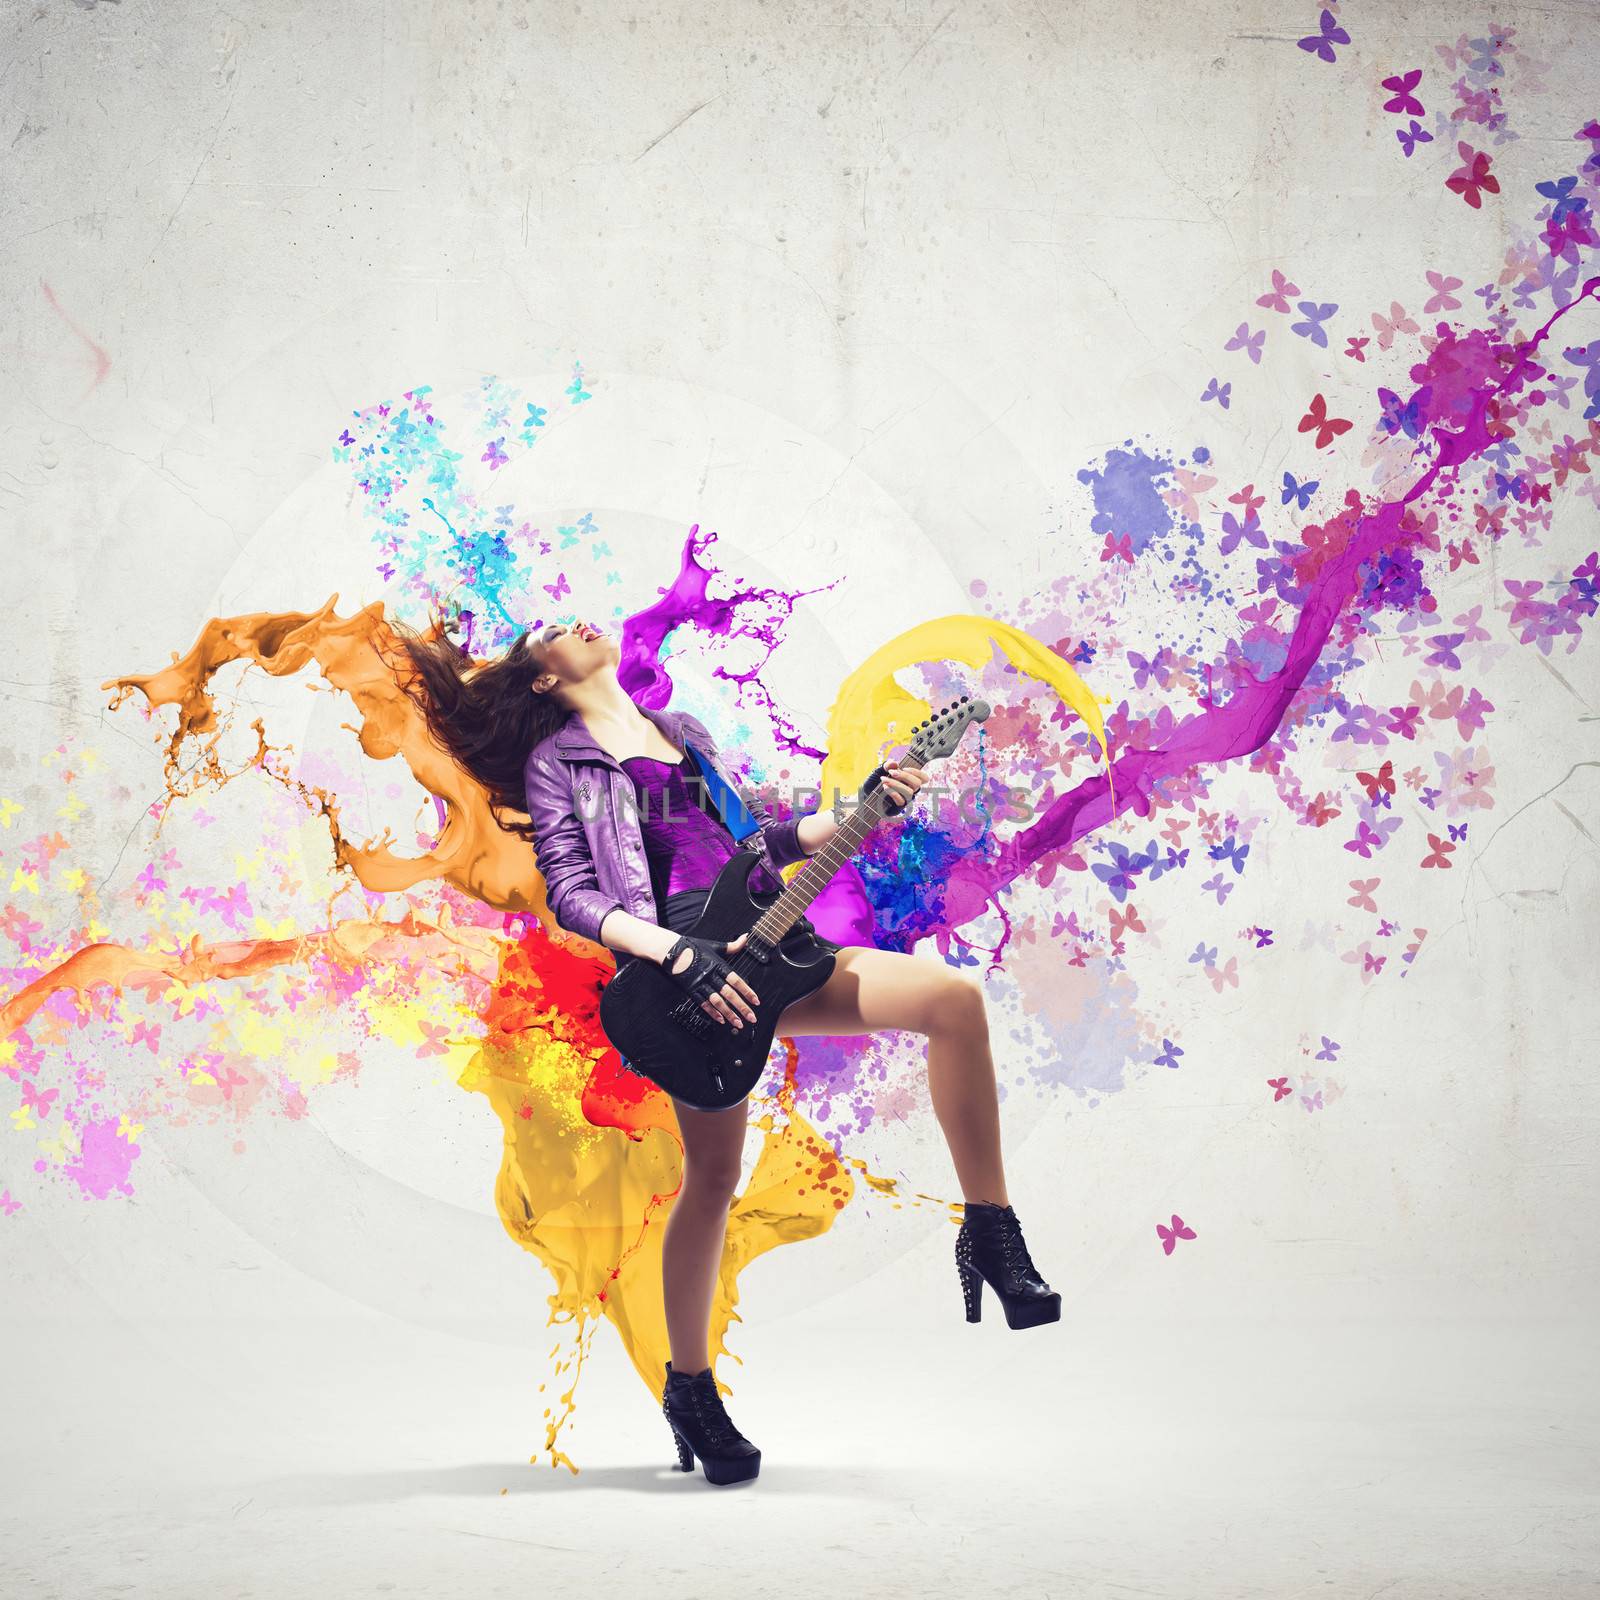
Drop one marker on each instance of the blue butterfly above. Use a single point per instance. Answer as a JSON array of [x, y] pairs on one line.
[[1206, 957], [1169, 1054], [1561, 193], [1118, 874], [1230, 850], [1315, 315], [1301, 491]]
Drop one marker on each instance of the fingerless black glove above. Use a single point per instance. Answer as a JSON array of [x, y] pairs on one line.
[[706, 971], [891, 804]]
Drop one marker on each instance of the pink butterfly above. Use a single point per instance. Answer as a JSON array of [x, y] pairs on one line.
[[1312, 1102], [1221, 977], [1170, 1236], [1362, 898], [1280, 1088], [1277, 297], [558, 588], [1397, 322], [1442, 299], [7, 1204], [35, 1101]]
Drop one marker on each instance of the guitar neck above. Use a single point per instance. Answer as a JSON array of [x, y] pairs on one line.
[[815, 875]]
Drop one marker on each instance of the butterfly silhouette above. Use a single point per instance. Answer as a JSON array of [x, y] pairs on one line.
[[1250, 343], [1396, 322], [559, 588], [1218, 392], [1329, 1050], [1362, 898], [1169, 1054], [1315, 315], [1230, 850], [1560, 191], [1379, 782], [1280, 1089], [1299, 491], [1454, 827], [1399, 416], [1472, 179], [1410, 137], [1277, 297], [1328, 35], [1179, 1230], [1439, 855], [1328, 428], [1402, 99]]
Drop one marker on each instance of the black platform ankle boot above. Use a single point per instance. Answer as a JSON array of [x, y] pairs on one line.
[[990, 1249], [701, 1427]]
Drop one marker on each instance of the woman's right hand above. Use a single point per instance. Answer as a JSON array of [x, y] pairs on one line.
[[700, 969]]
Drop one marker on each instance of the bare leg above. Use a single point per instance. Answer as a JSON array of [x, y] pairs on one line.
[[870, 990], [697, 1227]]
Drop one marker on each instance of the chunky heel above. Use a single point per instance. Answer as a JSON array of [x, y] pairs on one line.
[[685, 1454], [990, 1249]]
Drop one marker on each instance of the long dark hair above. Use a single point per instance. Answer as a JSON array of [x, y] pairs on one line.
[[484, 714]]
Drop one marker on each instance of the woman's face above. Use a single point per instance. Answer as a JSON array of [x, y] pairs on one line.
[[569, 652]]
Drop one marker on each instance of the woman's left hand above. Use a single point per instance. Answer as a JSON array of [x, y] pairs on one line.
[[902, 783]]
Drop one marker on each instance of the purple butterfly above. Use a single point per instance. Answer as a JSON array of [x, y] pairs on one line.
[[1399, 415], [1404, 101], [1315, 316], [1218, 392], [1322, 43], [1443, 653], [1249, 532], [1251, 343], [1329, 1050], [1453, 827], [1203, 955], [1169, 1054], [1411, 137]]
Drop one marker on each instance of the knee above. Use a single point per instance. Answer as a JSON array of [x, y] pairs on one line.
[[711, 1179], [958, 1007]]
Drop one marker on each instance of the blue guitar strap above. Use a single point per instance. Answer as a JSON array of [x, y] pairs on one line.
[[730, 807]]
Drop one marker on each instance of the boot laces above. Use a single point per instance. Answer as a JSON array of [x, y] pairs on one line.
[[713, 1416]]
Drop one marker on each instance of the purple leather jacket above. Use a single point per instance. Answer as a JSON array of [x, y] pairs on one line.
[[586, 822]]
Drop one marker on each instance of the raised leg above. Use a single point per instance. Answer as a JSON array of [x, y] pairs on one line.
[[870, 990]]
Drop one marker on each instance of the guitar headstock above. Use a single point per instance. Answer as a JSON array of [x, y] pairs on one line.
[[939, 734]]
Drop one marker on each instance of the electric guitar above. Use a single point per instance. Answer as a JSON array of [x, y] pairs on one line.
[[664, 1034]]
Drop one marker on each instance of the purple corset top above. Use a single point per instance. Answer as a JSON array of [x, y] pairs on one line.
[[686, 843]]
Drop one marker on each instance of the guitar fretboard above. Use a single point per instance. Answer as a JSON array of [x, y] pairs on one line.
[[813, 877]]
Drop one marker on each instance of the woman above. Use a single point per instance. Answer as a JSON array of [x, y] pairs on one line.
[[628, 850]]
